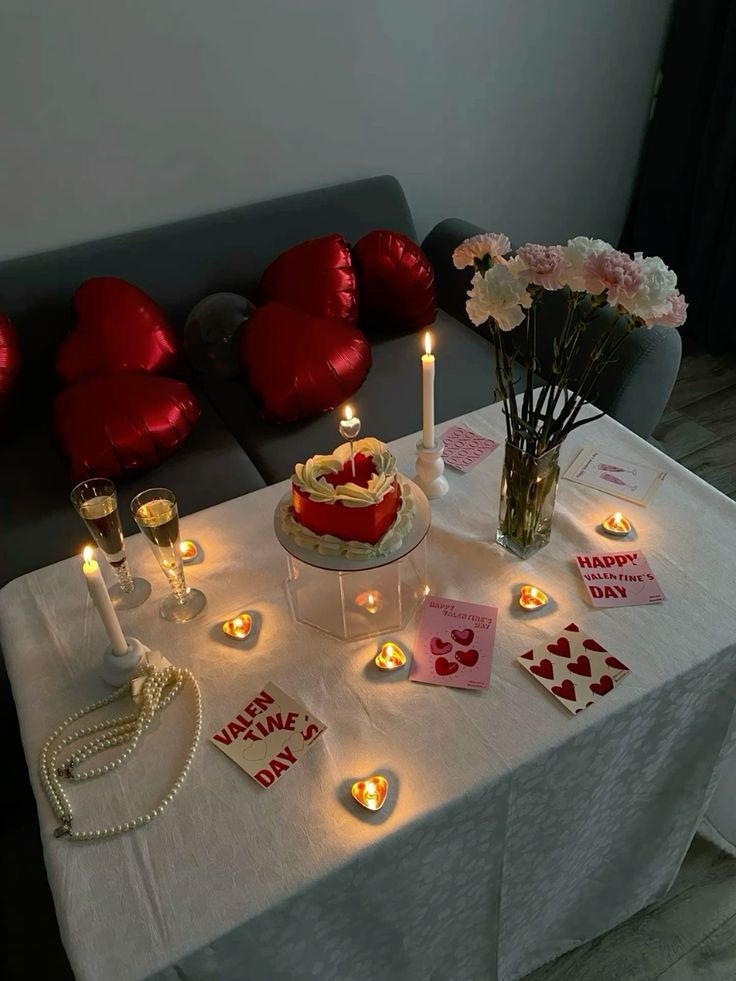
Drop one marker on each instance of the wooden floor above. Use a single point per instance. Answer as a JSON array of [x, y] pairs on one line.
[[691, 934]]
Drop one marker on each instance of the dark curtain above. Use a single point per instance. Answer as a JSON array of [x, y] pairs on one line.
[[684, 207]]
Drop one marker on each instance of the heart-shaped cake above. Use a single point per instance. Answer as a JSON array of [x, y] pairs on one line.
[[299, 364], [119, 328], [123, 423], [317, 277]]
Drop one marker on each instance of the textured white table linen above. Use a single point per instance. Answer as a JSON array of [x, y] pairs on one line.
[[514, 831]]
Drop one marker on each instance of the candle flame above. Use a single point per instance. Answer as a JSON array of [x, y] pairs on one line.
[[427, 343], [348, 413], [617, 517], [371, 598], [89, 553]]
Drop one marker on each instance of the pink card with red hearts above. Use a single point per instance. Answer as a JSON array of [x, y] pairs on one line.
[[619, 579], [575, 668], [454, 643], [464, 449]]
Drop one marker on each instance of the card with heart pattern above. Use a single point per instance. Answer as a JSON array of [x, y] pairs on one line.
[[575, 668], [454, 643], [463, 448]]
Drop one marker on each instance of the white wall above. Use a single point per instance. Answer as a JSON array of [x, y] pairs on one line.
[[523, 115]]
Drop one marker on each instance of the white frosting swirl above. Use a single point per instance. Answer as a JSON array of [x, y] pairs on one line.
[[309, 477], [357, 551]]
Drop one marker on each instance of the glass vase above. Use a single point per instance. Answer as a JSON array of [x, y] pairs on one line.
[[528, 492]]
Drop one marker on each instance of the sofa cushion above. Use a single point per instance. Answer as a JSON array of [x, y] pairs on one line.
[[122, 424], [395, 283], [300, 365], [38, 525], [119, 328], [316, 276], [389, 401]]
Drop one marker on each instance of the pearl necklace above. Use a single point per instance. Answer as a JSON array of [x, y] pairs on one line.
[[122, 730]]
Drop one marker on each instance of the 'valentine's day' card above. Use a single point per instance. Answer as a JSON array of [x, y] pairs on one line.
[[631, 481], [268, 735], [454, 643], [619, 579], [574, 668], [464, 449]]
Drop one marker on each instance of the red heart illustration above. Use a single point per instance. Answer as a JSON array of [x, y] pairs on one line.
[[529, 656], [463, 637], [581, 666], [593, 645], [439, 646], [565, 690], [467, 658], [544, 669], [613, 662], [603, 685], [561, 648], [443, 666], [573, 627]]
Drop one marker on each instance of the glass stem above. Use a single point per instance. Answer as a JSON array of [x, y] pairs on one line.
[[125, 579], [178, 583]]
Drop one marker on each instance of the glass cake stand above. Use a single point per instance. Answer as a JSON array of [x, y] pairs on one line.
[[350, 599]]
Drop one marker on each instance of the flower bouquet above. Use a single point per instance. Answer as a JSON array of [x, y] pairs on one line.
[[506, 291]]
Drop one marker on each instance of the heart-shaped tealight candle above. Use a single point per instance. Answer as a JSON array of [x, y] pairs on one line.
[[239, 627], [617, 525], [369, 601], [371, 793], [189, 550], [532, 598], [390, 657]]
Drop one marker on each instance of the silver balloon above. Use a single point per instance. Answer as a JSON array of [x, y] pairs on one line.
[[212, 333]]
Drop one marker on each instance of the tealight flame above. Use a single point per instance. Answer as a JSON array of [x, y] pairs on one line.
[[88, 553], [348, 413], [427, 343]]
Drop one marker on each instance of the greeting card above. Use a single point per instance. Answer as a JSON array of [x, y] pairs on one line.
[[464, 449], [575, 668], [454, 643], [630, 481], [619, 579], [268, 735]]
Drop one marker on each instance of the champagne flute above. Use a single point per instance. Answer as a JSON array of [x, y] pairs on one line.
[[96, 502], [156, 515]]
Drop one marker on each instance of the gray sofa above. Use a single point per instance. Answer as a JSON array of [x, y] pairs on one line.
[[233, 451]]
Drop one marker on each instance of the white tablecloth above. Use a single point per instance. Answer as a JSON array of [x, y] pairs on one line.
[[515, 831]]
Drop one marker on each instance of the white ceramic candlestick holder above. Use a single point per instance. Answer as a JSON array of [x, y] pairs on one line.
[[431, 469], [117, 669]]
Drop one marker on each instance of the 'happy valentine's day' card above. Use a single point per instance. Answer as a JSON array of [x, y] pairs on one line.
[[454, 643], [619, 579], [574, 668], [268, 735]]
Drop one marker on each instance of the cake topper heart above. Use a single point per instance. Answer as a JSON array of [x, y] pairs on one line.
[[349, 428]]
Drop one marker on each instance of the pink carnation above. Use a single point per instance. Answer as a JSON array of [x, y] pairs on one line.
[[616, 273], [544, 265], [677, 313], [493, 244]]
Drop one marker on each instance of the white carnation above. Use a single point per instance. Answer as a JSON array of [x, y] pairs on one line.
[[654, 298], [499, 295], [577, 251]]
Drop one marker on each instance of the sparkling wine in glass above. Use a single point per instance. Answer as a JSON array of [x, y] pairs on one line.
[[96, 503], [156, 515]]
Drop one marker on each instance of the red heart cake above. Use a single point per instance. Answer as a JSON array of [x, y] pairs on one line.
[[396, 282], [9, 358], [299, 364], [123, 423], [119, 328], [358, 517], [316, 276]]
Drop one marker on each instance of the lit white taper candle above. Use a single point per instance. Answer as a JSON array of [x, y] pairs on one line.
[[428, 392], [101, 599]]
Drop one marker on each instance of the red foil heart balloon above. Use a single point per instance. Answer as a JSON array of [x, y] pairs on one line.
[[395, 282], [123, 423], [119, 328], [467, 658], [444, 667], [301, 365], [463, 637], [317, 277], [9, 358], [439, 646]]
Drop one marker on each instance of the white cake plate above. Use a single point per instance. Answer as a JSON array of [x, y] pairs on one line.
[[339, 563]]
